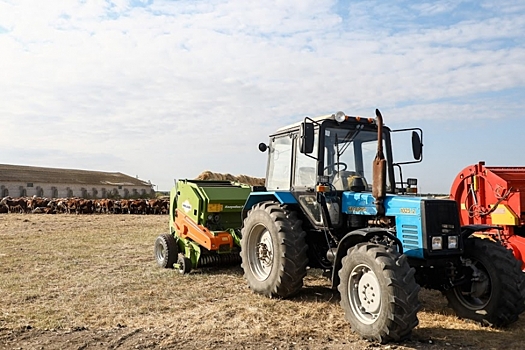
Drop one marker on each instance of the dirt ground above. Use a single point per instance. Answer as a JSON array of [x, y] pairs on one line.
[[148, 339], [90, 282]]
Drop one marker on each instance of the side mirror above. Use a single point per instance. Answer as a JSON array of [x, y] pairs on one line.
[[306, 138], [263, 147], [417, 146]]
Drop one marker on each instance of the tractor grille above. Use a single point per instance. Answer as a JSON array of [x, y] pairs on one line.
[[440, 218], [410, 237]]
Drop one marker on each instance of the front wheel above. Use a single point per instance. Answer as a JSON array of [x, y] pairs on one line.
[[183, 264], [379, 294], [273, 250], [491, 285]]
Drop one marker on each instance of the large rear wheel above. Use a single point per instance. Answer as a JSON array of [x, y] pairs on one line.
[[273, 250], [166, 250], [379, 294], [491, 287]]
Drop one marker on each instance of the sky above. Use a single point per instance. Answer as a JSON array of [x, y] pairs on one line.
[[164, 89]]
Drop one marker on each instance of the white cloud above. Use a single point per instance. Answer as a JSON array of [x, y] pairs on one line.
[[433, 8]]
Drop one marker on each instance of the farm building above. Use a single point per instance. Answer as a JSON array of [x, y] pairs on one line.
[[24, 181]]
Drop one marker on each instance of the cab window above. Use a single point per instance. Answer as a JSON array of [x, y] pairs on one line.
[[279, 166]]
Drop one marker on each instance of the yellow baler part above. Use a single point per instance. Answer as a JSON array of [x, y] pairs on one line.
[[475, 183], [215, 207], [503, 215]]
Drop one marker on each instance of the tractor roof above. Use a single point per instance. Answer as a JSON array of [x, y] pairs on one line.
[[324, 117]]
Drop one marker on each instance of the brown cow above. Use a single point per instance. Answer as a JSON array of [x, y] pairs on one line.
[[16, 204], [37, 202], [60, 205], [71, 204], [158, 206], [104, 205], [43, 210], [124, 206], [85, 206], [138, 206]]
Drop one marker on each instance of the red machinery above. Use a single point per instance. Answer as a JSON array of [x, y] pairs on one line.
[[494, 196]]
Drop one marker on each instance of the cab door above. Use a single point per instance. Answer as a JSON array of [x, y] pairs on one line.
[[304, 180]]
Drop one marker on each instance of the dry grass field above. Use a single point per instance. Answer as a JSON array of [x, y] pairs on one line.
[[90, 282]]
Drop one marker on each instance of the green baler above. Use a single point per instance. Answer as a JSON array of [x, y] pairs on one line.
[[205, 221]]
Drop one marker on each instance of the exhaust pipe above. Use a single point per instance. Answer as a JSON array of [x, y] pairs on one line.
[[379, 169]]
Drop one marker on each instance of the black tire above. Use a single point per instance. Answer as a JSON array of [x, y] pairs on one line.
[[166, 251], [273, 250], [497, 297], [379, 294], [184, 264]]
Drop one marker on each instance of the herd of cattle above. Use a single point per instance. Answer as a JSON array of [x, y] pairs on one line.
[[38, 205]]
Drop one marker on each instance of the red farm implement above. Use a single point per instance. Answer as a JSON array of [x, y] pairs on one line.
[[494, 196]]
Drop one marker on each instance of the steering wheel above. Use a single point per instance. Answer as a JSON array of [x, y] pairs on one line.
[[333, 166]]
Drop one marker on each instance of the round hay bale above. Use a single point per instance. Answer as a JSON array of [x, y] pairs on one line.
[[244, 179]]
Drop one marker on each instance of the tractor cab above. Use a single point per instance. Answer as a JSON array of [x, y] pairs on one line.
[[335, 152]]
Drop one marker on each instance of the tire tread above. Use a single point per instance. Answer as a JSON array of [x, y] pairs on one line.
[[404, 301], [292, 269]]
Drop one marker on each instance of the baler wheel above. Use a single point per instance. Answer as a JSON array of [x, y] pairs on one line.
[[166, 251], [273, 250], [184, 264], [494, 294], [379, 294]]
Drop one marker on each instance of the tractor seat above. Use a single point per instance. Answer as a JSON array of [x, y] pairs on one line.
[[349, 181]]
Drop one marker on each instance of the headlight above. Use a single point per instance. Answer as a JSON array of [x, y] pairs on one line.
[[437, 243], [340, 117], [452, 242]]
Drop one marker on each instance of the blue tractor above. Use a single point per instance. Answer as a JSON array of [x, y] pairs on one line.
[[331, 201]]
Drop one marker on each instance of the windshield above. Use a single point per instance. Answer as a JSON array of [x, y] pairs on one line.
[[349, 154]]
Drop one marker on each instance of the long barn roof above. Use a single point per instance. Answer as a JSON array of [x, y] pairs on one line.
[[22, 173]]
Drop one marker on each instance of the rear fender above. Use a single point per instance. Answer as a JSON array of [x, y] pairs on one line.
[[283, 197], [514, 242], [477, 231], [353, 238]]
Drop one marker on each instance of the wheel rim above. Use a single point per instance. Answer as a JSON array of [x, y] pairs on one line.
[[260, 252], [476, 295], [182, 265], [160, 252], [364, 294]]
